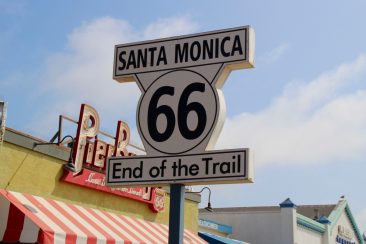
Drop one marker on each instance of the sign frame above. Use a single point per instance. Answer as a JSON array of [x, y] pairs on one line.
[[223, 62], [247, 62], [244, 176]]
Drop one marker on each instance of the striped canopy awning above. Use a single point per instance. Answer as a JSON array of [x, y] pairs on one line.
[[30, 219]]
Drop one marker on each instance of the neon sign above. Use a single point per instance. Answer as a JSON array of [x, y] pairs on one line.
[[90, 155]]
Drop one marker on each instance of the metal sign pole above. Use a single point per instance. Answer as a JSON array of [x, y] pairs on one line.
[[176, 214]]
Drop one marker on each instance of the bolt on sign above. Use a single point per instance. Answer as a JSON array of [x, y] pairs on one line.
[[181, 109]]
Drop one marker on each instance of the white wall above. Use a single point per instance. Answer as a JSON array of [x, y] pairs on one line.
[[262, 227], [306, 236], [345, 222]]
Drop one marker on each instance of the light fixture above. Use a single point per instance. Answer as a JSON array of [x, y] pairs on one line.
[[208, 208], [69, 166]]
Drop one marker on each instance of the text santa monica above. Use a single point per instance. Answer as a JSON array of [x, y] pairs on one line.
[[213, 48]]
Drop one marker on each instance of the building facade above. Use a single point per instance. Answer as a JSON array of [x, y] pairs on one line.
[[290, 224], [37, 201]]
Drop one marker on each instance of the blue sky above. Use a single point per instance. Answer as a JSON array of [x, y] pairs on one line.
[[301, 110]]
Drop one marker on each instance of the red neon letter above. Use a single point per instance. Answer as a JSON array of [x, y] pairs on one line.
[[88, 127]]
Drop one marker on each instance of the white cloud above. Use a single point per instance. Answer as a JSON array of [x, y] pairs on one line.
[[309, 123], [276, 53], [163, 28], [83, 72]]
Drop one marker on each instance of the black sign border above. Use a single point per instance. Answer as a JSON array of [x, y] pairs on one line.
[[245, 151], [115, 76], [217, 104]]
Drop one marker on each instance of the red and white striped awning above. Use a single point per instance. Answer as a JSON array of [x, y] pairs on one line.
[[30, 219]]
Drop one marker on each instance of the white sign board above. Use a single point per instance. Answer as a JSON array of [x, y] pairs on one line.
[[229, 46], [190, 169], [181, 110]]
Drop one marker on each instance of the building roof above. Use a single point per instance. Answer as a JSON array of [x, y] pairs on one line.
[[211, 238], [306, 210], [310, 210], [244, 209]]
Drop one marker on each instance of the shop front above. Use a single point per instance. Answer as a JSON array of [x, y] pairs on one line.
[[44, 200]]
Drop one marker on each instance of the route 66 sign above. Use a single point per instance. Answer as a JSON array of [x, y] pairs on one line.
[[181, 109]]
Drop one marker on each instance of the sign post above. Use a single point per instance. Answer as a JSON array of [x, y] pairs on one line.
[[176, 214], [181, 112]]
